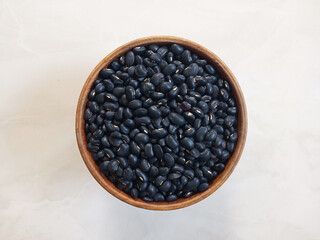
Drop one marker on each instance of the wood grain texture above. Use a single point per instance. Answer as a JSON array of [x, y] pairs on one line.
[[224, 72]]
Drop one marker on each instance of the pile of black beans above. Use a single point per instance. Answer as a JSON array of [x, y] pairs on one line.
[[160, 123]]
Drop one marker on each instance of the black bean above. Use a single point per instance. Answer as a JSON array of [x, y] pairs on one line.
[[191, 70], [154, 112], [178, 78], [201, 133], [171, 198], [159, 133], [189, 132], [225, 155], [171, 142], [219, 167], [128, 174], [158, 197], [129, 58], [134, 192], [189, 117], [173, 176], [174, 92], [186, 57], [123, 150], [197, 112], [134, 104], [113, 166], [154, 171], [230, 146], [158, 152], [165, 186], [169, 69], [218, 141], [133, 160], [176, 118], [106, 72], [141, 175], [194, 153], [148, 150], [218, 128], [157, 78], [140, 71], [233, 137], [187, 143], [192, 185], [224, 94], [210, 69], [141, 138], [159, 180], [176, 48], [211, 135], [165, 86], [163, 171], [203, 187], [144, 165], [169, 160]]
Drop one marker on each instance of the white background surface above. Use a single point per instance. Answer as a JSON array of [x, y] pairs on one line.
[[47, 50]]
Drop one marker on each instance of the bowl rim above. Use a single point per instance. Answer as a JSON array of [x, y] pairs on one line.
[[224, 72]]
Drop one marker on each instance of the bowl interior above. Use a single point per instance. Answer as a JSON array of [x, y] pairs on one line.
[[224, 72]]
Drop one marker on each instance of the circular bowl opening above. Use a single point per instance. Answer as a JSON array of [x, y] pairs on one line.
[[224, 72]]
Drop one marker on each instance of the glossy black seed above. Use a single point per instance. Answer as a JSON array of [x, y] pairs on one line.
[[165, 86], [140, 112], [134, 104], [127, 174], [123, 150], [177, 49], [154, 112], [141, 175], [203, 186], [189, 117], [195, 153], [192, 185], [201, 133], [159, 180], [191, 70], [158, 197], [186, 57], [158, 152], [154, 171], [197, 112], [170, 69], [219, 167], [129, 58], [141, 138], [159, 133], [113, 166], [168, 159], [187, 143], [106, 72], [148, 150], [210, 69], [171, 142], [178, 78], [171, 198], [134, 193], [176, 118], [140, 71], [144, 165], [165, 186], [157, 78], [224, 94], [189, 132], [132, 160]]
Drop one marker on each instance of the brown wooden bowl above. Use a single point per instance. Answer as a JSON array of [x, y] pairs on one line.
[[224, 72]]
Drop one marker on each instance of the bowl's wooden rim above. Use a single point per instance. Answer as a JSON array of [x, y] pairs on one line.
[[225, 73]]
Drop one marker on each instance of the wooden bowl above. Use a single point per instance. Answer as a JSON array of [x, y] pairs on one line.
[[224, 72]]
